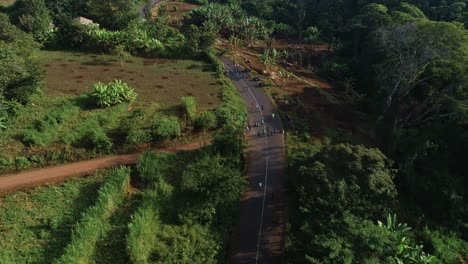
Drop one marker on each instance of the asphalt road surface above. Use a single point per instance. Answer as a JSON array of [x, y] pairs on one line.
[[259, 235]]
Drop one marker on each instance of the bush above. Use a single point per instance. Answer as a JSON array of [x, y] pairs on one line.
[[22, 163], [31, 137], [46, 124], [282, 30], [189, 104], [166, 128], [448, 247], [151, 166], [114, 93], [6, 163], [206, 121], [138, 136], [37, 159], [95, 139]]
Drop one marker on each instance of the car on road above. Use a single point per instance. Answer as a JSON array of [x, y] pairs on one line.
[[256, 79], [261, 84]]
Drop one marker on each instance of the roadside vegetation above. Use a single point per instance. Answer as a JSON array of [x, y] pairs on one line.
[[37, 223], [373, 102], [373, 94], [170, 208]]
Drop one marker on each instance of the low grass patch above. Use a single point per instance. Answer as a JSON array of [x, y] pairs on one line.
[[154, 80], [95, 224], [36, 224], [7, 2]]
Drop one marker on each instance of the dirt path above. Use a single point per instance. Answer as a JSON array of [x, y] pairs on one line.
[[13, 182], [259, 234]]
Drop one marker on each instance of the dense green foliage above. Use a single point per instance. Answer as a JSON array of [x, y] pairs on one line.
[[341, 191], [95, 221], [32, 16], [405, 64], [165, 128], [113, 93], [36, 224], [20, 75], [189, 107]]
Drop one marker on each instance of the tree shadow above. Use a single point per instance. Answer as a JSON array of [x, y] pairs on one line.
[[61, 232], [111, 248]]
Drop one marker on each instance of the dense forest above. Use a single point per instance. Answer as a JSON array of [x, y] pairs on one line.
[[398, 196]]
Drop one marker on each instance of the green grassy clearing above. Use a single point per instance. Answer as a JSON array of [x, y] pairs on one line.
[[159, 81], [56, 126], [36, 224], [7, 2]]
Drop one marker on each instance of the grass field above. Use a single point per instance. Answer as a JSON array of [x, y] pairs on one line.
[[36, 224], [154, 80]]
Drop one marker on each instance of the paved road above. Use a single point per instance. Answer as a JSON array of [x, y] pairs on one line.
[[13, 182], [258, 236]]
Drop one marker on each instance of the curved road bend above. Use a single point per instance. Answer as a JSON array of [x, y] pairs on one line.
[[258, 236]]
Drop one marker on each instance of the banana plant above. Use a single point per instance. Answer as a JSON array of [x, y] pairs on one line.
[[3, 121]]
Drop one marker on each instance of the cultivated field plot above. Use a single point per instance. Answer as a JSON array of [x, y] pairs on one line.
[[36, 224], [154, 80]]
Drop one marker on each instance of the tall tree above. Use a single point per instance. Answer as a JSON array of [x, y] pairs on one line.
[[412, 50], [112, 14], [32, 16]]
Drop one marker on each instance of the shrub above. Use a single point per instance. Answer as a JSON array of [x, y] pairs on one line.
[[65, 112], [6, 163], [138, 136], [283, 30], [96, 139], [206, 121], [37, 159], [22, 163], [152, 166], [166, 128], [114, 93], [448, 247], [46, 124], [31, 137], [188, 104]]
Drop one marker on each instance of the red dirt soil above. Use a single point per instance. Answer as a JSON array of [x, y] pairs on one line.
[[13, 182], [331, 115]]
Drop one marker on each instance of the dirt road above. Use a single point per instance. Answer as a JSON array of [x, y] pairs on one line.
[[14, 182], [259, 234]]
